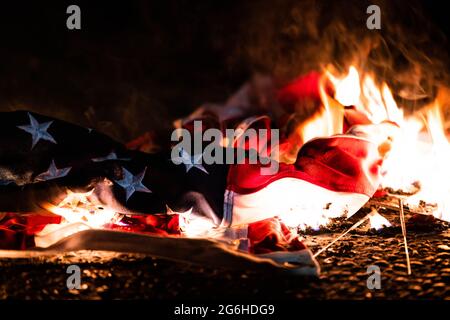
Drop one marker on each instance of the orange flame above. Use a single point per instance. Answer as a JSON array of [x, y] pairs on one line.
[[79, 208], [377, 221], [79, 213], [420, 152]]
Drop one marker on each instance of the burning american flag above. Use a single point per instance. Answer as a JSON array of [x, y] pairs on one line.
[[59, 180]]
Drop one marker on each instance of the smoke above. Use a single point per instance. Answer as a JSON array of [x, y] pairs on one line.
[[290, 37], [136, 66]]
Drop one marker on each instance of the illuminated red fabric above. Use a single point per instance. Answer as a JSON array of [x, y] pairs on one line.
[[352, 117], [272, 235], [17, 231], [303, 87], [160, 224], [340, 163]]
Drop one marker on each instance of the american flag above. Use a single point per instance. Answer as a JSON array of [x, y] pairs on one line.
[[42, 157]]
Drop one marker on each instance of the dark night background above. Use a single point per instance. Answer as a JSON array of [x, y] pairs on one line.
[[137, 65]]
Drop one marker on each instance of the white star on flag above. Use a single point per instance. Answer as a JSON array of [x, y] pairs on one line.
[[131, 183], [191, 162], [111, 156], [37, 130], [53, 172]]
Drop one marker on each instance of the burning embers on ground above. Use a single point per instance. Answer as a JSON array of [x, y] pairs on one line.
[[357, 152]]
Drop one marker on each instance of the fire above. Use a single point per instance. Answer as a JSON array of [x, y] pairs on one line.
[[79, 212], [327, 122], [435, 180], [348, 90], [79, 208], [377, 221], [418, 162], [365, 96]]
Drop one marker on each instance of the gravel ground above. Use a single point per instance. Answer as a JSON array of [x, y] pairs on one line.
[[344, 276]]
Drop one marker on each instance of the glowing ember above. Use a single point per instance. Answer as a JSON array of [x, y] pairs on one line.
[[79, 213], [377, 221], [78, 208]]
